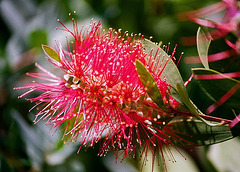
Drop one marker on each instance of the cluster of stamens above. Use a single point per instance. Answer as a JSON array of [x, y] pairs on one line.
[[107, 96], [72, 81]]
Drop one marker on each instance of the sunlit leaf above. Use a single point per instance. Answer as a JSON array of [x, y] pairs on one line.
[[203, 43], [149, 84], [51, 53], [170, 71]]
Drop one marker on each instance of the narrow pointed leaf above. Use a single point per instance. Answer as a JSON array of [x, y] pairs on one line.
[[203, 43], [51, 53], [171, 71], [149, 84]]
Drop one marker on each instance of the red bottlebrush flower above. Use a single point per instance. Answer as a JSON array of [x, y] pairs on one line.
[[100, 94]]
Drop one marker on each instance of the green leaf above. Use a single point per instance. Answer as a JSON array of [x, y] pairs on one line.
[[191, 106], [149, 84], [203, 43], [186, 100], [217, 88], [199, 133], [171, 71], [51, 52]]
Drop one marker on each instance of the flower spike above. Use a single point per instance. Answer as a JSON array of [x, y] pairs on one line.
[[100, 95]]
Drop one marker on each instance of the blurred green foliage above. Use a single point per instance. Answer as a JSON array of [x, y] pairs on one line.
[[25, 25]]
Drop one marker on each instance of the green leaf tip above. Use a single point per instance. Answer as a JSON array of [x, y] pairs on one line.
[[149, 84], [51, 53]]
